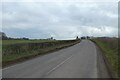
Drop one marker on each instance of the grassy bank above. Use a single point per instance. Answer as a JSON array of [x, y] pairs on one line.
[[109, 47], [18, 51]]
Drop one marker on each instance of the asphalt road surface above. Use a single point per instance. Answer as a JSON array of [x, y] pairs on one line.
[[79, 61]]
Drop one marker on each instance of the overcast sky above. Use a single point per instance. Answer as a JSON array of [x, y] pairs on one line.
[[61, 20]]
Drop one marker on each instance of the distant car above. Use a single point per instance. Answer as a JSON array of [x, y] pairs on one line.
[[88, 37], [83, 37]]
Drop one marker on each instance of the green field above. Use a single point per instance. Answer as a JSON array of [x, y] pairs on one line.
[[8, 42], [109, 47]]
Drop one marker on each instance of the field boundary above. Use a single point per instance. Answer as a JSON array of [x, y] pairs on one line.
[[10, 63]]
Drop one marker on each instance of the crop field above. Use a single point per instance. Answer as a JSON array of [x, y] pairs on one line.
[[111, 51]]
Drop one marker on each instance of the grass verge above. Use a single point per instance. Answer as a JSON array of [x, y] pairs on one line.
[[110, 52]]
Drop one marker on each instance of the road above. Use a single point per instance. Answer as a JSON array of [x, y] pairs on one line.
[[78, 61]]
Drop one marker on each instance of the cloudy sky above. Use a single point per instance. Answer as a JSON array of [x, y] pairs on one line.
[[61, 20]]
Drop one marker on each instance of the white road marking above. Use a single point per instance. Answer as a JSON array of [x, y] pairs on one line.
[[58, 65]]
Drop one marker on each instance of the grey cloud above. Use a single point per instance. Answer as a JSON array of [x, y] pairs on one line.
[[61, 20]]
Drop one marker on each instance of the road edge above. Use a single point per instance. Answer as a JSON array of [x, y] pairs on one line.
[[107, 63]]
